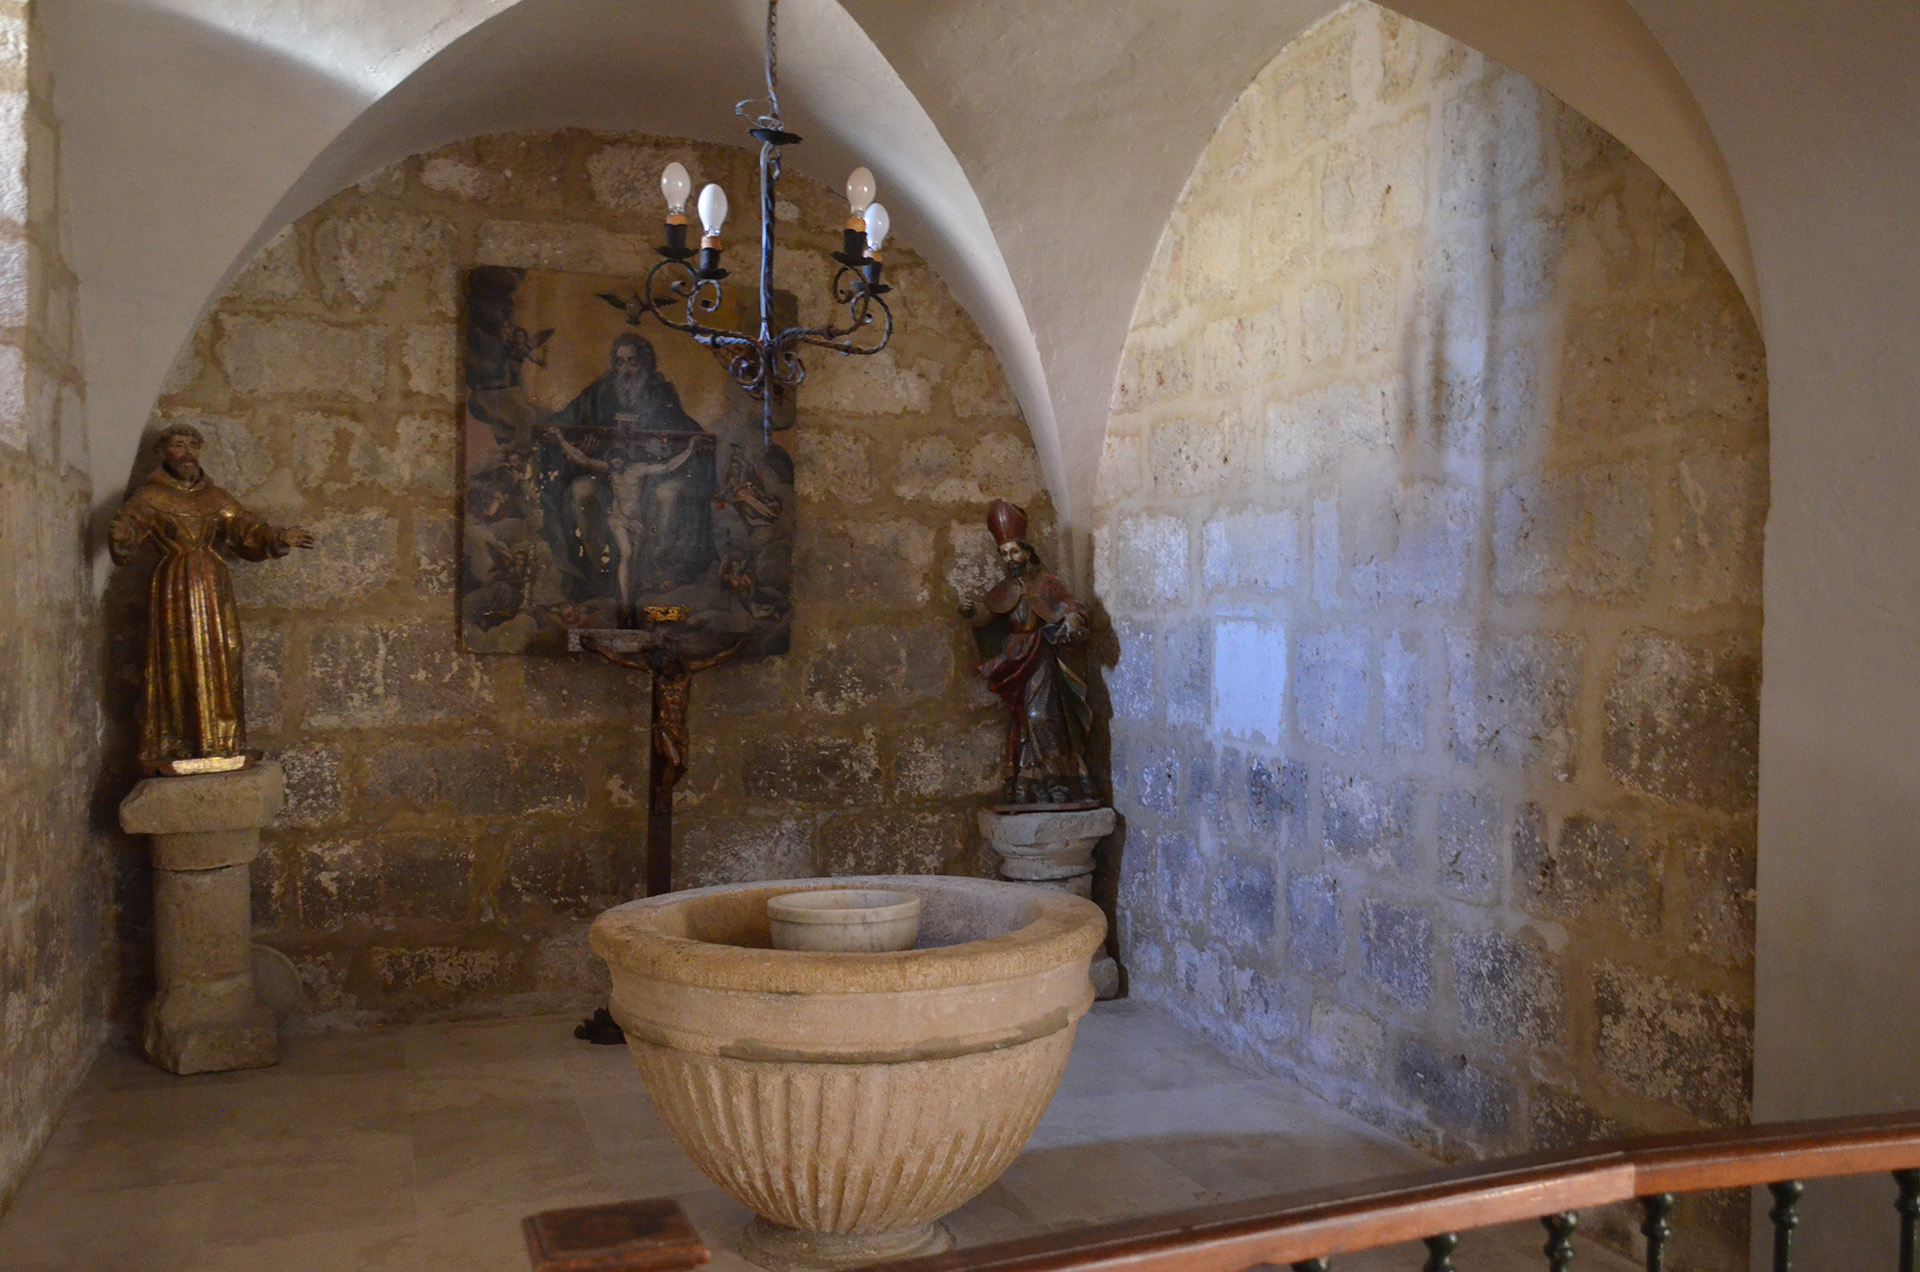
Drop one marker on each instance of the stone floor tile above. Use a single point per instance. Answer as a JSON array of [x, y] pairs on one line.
[[1232, 1167], [616, 1123], [1139, 1049], [997, 1214], [142, 1138], [120, 1068], [354, 1180], [603, 1072], [364, 1051], [111, 1155], [650, 1168], [442, 1091], [1244, 1107], [333, 1250], [497, 1149], [93, 1229], [1090, 1183], [616, 1109], [288, 1103], [464, 1245], [469, 1046]]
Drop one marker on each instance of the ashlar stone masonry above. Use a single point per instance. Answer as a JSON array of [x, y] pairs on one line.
[[1430, 520], [56, 931]]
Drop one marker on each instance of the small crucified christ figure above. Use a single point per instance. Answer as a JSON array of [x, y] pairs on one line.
[[627, 476], [672, 693]]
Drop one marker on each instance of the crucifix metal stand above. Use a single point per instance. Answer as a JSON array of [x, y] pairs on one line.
[[671, 655]]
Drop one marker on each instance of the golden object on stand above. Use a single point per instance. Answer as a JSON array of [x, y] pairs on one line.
[[191, 718]]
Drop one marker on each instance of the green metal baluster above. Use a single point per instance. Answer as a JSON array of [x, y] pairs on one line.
[[1311, 1265], [1785, 1194], [1559, 1248], [1656, 1229], [1440, 1252], [1909, 1207]]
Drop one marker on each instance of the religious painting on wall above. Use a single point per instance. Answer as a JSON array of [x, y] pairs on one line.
[[614, 474]]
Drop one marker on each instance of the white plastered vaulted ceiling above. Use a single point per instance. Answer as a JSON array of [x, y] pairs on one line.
[[1032, 150]]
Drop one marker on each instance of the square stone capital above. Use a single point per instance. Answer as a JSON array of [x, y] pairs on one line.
[[1022, 829], [246, 800]]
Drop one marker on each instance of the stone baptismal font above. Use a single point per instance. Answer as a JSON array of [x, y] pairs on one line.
[[851, 1092], [852, 1099]]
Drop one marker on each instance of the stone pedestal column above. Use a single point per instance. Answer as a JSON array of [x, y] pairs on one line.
[[205, 1015], [1054, 850]]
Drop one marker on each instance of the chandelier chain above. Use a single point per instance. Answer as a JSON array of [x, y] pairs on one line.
[[773, 57], [772, 118], [765, 362]]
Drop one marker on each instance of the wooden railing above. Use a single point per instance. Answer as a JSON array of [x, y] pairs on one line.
[[1306, 1230]]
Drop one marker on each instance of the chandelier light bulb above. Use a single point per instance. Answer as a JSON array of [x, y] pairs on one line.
[[860, 189], [764, 358], [676, 185], [713, 210], [879, 224]]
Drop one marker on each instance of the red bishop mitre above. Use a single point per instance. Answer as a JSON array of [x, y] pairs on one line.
[[1007, 522]]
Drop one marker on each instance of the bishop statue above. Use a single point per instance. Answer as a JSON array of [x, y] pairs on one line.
[[1026, 623]]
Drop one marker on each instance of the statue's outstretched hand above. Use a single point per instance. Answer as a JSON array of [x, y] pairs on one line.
[[297, 537], [123, 537], [1068, 630]]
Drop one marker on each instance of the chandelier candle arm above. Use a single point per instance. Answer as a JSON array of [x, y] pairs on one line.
[[765, 362]]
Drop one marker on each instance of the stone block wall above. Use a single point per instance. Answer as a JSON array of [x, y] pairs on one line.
[[53, 893], [455, 820], [1430, 520]]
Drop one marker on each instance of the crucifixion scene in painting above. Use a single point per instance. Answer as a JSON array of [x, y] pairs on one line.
[[614, 474]]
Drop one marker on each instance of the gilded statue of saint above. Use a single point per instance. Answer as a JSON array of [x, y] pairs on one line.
[[192, 720], [1025, 623]]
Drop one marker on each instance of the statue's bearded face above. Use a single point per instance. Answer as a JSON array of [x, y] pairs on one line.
[[180, 456], [1015, 556]]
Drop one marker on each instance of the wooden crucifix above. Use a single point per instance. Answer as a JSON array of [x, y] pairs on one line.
[[671, 656]]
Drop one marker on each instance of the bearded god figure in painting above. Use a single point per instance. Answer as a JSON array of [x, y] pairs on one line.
[[1024, 625], [191, 720], [608, 476]]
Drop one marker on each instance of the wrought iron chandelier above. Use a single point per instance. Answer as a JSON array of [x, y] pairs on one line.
[[766, 363]]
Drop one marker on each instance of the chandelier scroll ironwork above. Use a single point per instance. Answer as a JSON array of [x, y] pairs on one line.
[[687, 286]]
